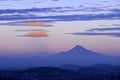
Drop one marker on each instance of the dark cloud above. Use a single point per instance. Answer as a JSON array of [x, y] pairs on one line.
[[114, 34], [114, 25], [59, 9], [103, 25], [34, 23], [51, 9], [64, 17], [104, 29], [28, 23], [23, 14], [116, 10], [117, 25]]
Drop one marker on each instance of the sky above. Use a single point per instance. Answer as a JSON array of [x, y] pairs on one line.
[[41, 27]]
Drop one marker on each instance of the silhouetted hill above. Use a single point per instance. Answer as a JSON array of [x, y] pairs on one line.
[[53, 73], [99, 68], [103, 65], [101, 72], [43, 73], [49, 70], [71, 66]]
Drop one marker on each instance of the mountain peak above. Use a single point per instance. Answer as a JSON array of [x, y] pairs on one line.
[[78, 47], [78, 50]]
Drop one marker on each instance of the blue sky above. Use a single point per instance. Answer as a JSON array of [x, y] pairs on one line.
[[53, 3]]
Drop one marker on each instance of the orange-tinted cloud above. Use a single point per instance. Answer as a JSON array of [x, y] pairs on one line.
[[35, 23], [32, 30], [36, 34]]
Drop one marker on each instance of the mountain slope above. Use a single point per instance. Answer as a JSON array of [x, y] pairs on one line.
[[82, 56], [77, 55]]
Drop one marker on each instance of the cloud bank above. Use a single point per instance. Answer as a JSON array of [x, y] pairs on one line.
[[114, 34]]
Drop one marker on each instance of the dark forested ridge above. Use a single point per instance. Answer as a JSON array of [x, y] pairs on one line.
[[96, 72], [41, 73]]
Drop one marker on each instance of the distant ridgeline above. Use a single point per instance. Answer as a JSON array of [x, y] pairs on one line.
[[77, 55]]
